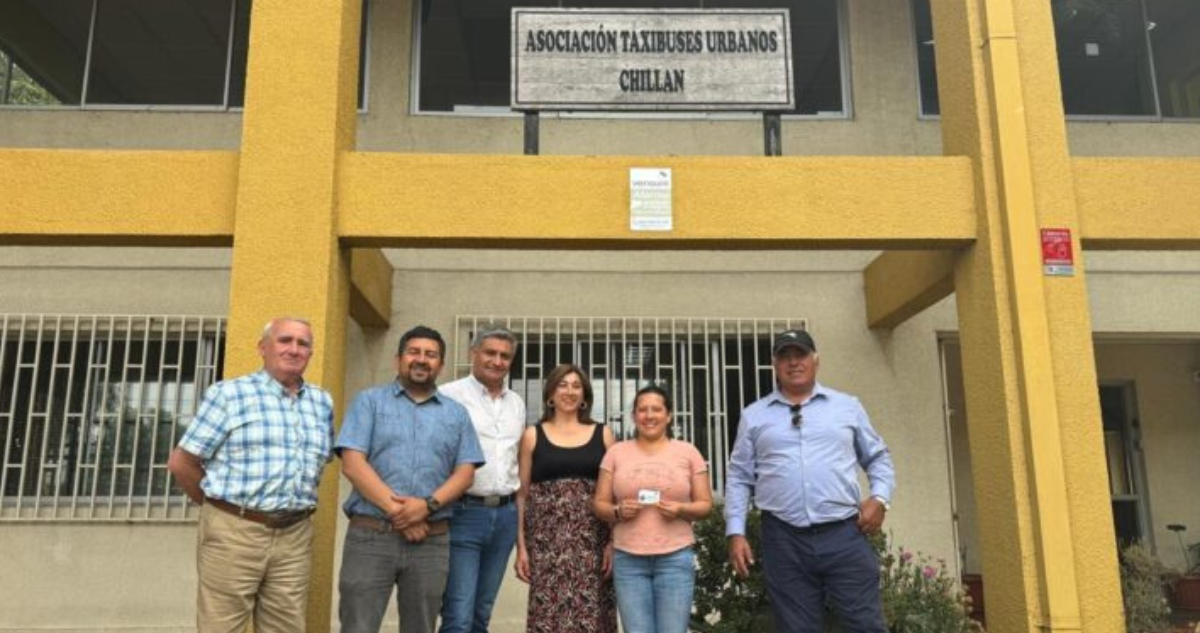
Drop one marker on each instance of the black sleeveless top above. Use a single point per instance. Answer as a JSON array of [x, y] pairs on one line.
[[551, 461]]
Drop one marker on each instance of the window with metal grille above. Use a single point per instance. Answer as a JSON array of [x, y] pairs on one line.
[[711, 367], [90, 408]]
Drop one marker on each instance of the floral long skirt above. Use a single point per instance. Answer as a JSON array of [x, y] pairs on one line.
[[565, 541]]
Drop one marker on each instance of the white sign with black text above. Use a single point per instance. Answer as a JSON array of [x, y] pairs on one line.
[[651, 59], [650, 199]]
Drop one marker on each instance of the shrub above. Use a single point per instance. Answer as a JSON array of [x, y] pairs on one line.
[[1142, 580], [919, 595], [723, 602]]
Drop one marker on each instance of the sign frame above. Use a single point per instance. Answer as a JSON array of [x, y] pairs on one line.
[[652, 59]]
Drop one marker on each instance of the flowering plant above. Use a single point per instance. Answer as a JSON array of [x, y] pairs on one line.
[[919, 595]]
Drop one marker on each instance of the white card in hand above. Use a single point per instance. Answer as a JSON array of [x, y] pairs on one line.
[[648, 497]]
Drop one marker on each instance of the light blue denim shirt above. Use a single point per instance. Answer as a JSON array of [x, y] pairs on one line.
[[806, 475], [413, 447]]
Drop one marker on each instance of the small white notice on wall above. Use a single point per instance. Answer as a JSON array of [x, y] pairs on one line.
[[650, 199]]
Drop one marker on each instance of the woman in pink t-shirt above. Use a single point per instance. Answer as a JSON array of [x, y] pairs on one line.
[[651, 489]]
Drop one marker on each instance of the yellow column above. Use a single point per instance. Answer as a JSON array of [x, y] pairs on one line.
[[1034, 420], [299, 120]]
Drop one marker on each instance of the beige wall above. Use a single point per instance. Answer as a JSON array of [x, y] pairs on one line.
[[88, 577], [114, 280], [1168, 405]]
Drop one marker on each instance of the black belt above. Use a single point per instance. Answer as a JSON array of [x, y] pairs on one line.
[[489, 501], [814, 528]]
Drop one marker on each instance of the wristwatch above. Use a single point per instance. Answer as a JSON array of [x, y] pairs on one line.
[[887, 507], [432, 504]]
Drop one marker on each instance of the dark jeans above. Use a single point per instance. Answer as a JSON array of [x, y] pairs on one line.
[[805, 567]]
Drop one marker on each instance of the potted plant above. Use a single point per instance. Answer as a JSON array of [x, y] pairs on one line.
[[1185, 589]]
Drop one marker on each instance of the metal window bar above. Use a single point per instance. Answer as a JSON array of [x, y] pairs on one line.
[[712, 367], [90, 408]]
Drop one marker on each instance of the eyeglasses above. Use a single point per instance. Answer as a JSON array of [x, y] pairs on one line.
[[797, 416]]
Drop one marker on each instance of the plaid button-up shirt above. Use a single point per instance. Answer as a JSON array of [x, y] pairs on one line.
[[262, 448]]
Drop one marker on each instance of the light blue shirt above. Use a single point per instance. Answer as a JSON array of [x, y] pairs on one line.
[[413, 447], [262, 448], [807, 475]]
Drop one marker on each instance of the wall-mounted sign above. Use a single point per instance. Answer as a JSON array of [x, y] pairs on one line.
[[1058, 256], [650, 199], [651, 59]]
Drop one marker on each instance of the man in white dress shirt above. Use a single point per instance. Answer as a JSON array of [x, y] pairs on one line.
[[483, 529]]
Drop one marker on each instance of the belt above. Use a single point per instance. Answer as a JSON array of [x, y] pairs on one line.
[[274, 520], [379, 525], [818, 528], [814, 528], [490, 501]]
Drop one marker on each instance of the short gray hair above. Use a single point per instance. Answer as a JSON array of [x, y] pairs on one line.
[[266, 331], [493, 330]]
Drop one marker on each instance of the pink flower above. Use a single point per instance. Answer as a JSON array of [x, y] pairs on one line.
[[929, 572], [905, 556]]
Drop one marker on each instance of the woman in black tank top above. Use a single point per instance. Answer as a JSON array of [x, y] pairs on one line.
[[563, 551], [551, 461]]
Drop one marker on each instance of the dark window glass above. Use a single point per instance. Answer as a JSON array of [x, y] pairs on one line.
[[465, 52], [816, 50], [43, 48], [17, 87], [362, 54], [926, 63], [1175, 40], [465, 48], [241, 45], [170, 52], [1102, 57], [1104, 63]]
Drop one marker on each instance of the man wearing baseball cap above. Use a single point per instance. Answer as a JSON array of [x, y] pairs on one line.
[[798, 451]]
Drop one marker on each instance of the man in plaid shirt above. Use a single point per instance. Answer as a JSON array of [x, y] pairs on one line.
[[252, 458]]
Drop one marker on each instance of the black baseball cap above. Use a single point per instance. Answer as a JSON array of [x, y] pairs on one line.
[[793, 338]]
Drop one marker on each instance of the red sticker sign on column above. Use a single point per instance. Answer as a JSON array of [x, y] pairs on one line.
[[1058, 256]]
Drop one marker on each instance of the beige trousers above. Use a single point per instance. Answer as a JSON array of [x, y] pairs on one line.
[[245, 569]]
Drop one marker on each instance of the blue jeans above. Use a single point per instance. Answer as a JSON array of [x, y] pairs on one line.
[[481, 540], [809, 566], [654, 593]]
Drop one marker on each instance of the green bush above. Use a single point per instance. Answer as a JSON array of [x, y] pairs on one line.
[[918, 597], [1142, 586], [723, 602]]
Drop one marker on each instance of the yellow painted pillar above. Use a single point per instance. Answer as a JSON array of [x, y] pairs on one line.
[[1048, 548], [299, 120]]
